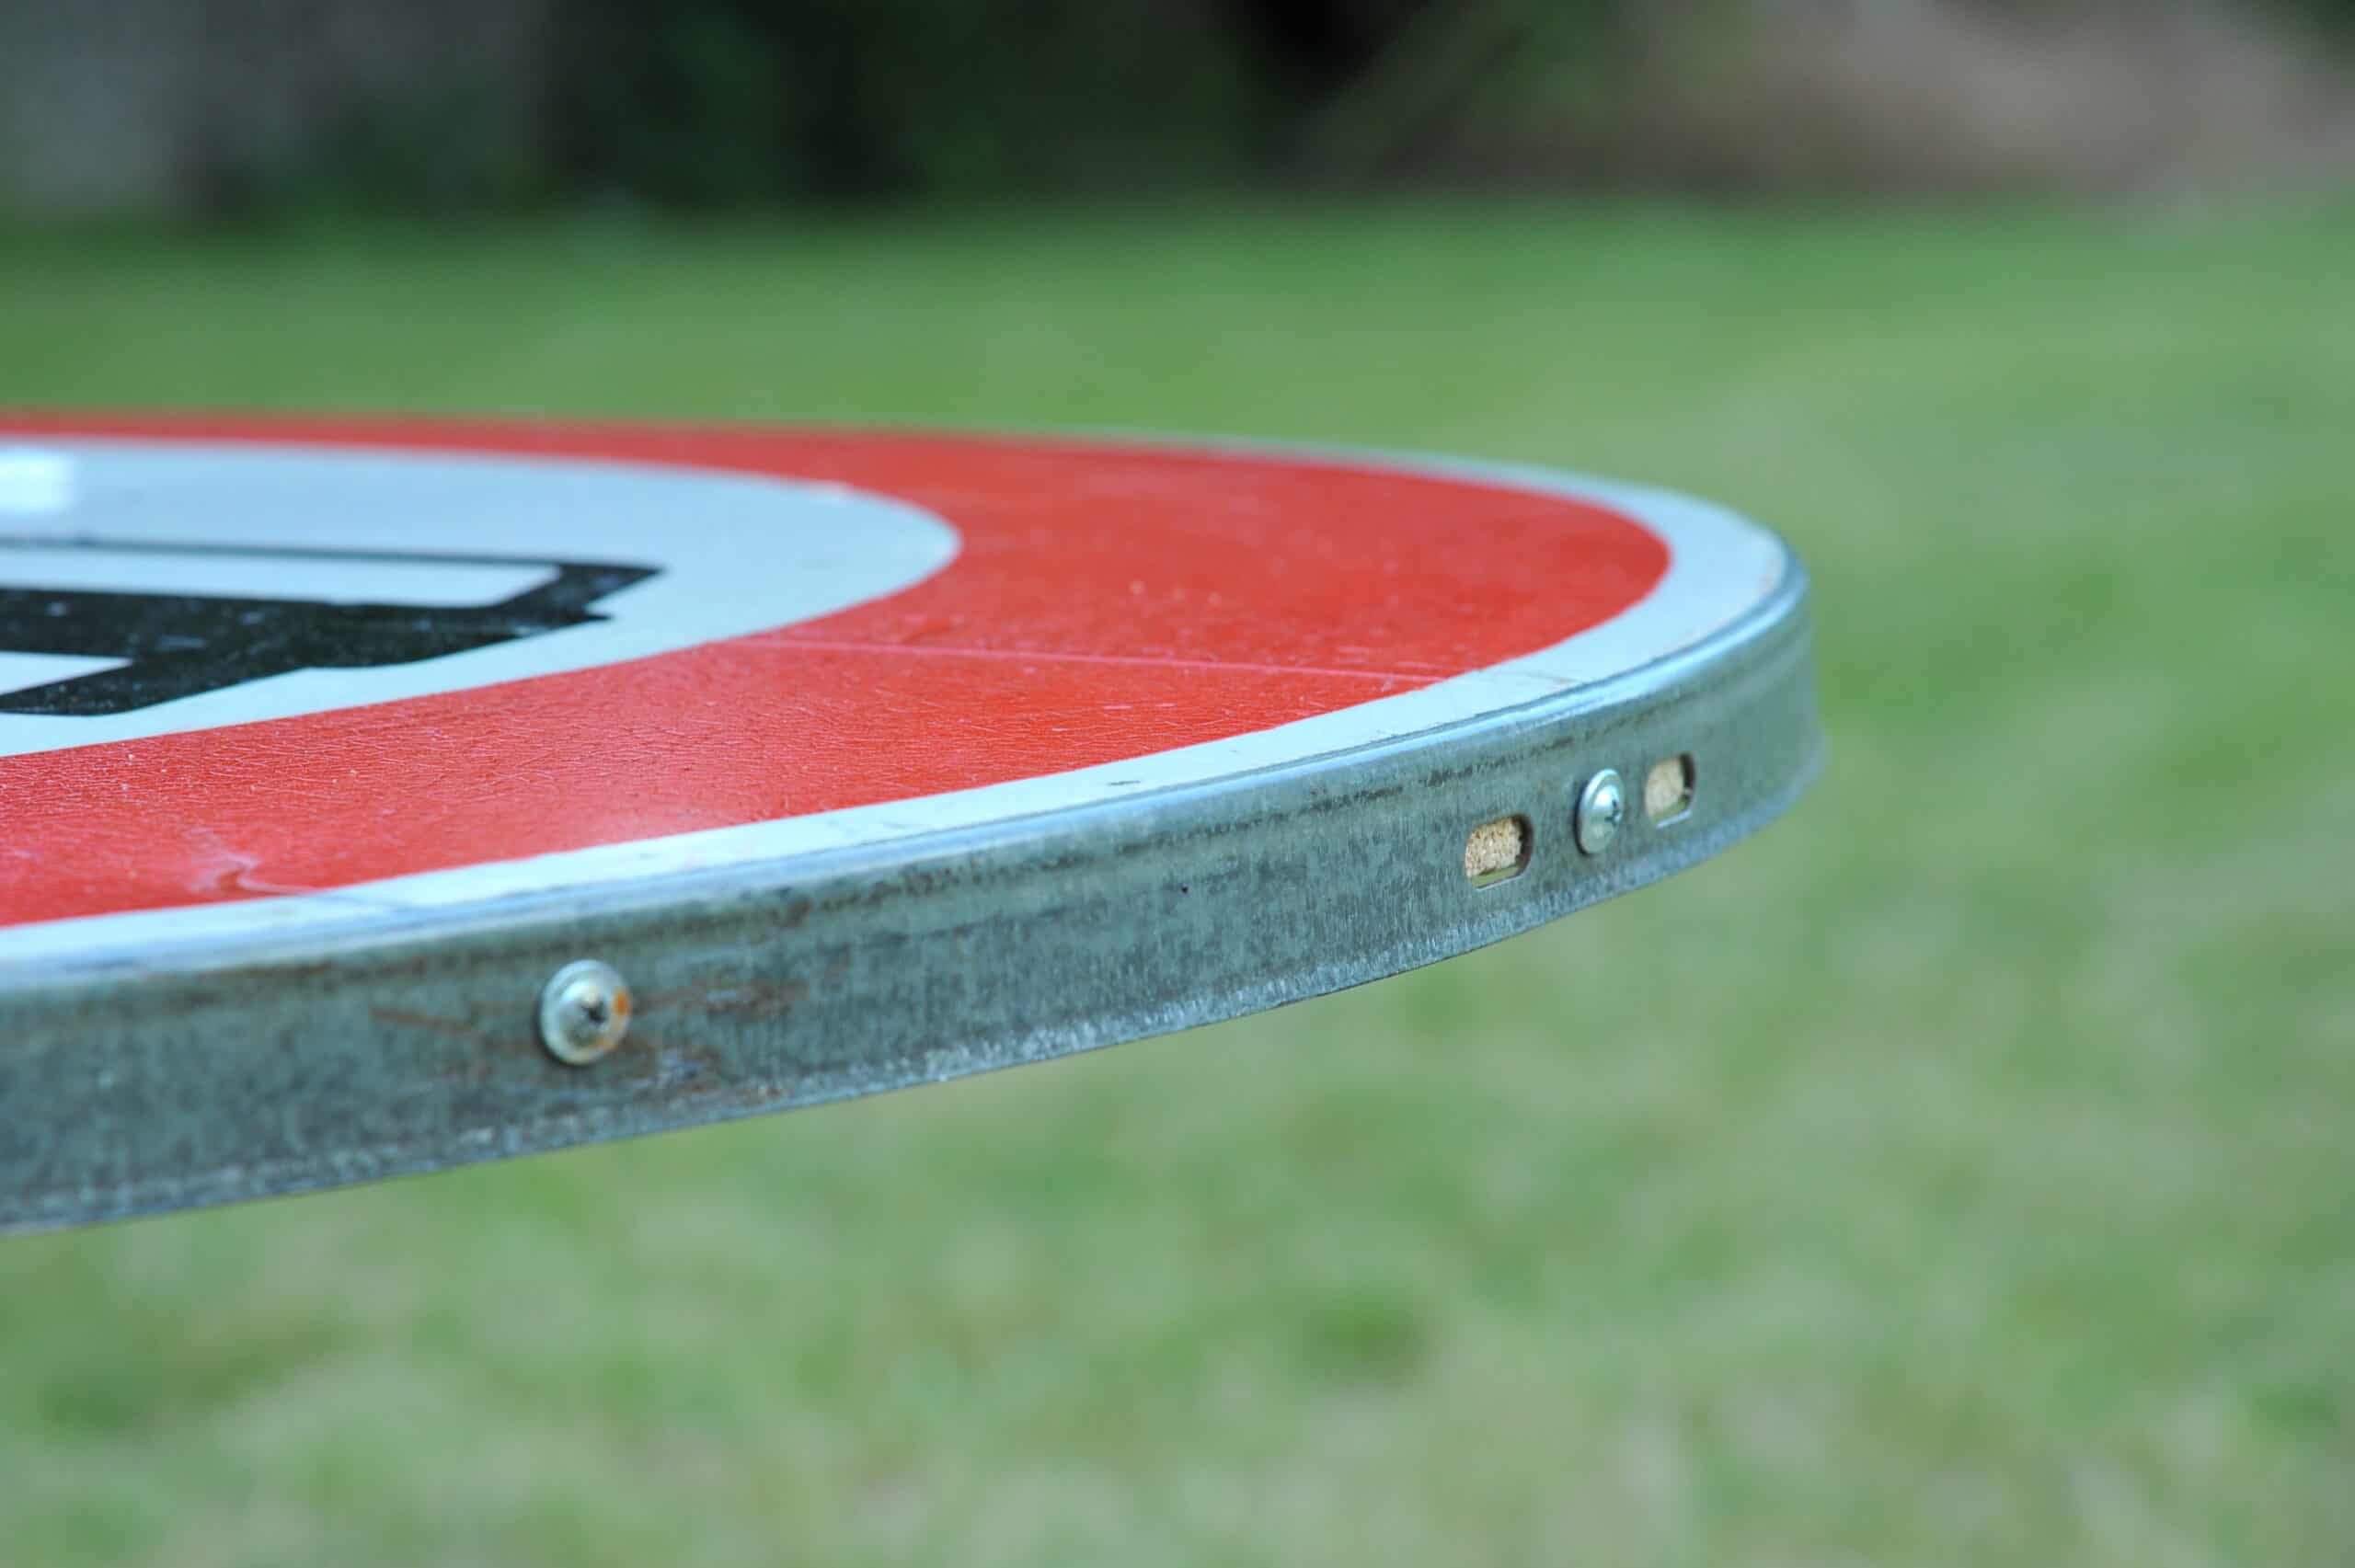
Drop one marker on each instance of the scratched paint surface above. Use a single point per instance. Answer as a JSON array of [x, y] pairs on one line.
[[1107, 603]]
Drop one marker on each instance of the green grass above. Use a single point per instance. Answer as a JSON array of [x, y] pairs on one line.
[[1963, 1171]]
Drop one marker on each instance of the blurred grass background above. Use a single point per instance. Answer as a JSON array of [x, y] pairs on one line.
[[1959, 1173]]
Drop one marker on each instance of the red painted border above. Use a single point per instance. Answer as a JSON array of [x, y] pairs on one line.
[[1108, 602]]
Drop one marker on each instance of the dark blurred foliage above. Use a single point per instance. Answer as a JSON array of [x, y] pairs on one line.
[[728, 101], [2337, 16], [232, 106]]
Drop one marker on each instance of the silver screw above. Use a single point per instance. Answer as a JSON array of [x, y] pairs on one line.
[[584, 1011], [1603, 810]]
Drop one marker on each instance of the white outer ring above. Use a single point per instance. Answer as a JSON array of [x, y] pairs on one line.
[[1722, 566]]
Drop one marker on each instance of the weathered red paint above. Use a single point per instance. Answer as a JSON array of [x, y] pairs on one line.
[[1108, 602]]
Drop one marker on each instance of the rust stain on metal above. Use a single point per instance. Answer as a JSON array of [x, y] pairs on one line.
[[756, 1000]]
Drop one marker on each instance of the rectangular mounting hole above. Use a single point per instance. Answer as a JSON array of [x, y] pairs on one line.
[[1497, 852], [1668, 789]]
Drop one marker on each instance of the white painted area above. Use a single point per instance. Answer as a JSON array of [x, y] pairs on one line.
[[35, 482], [737, 553], [19, 670], [262, 574], [1720, 568]]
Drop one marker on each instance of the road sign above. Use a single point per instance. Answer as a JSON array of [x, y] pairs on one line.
[[377, 796]]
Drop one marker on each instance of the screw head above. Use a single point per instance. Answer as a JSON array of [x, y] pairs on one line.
[[1603, 811], [584, 1011]]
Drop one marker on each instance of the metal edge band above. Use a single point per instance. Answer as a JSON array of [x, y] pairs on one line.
[[770, 986]]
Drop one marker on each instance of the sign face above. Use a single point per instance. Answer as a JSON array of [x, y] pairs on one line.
[[245, 662], [363, 785]]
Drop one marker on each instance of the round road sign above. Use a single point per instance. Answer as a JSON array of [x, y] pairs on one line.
[[334, 755]]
